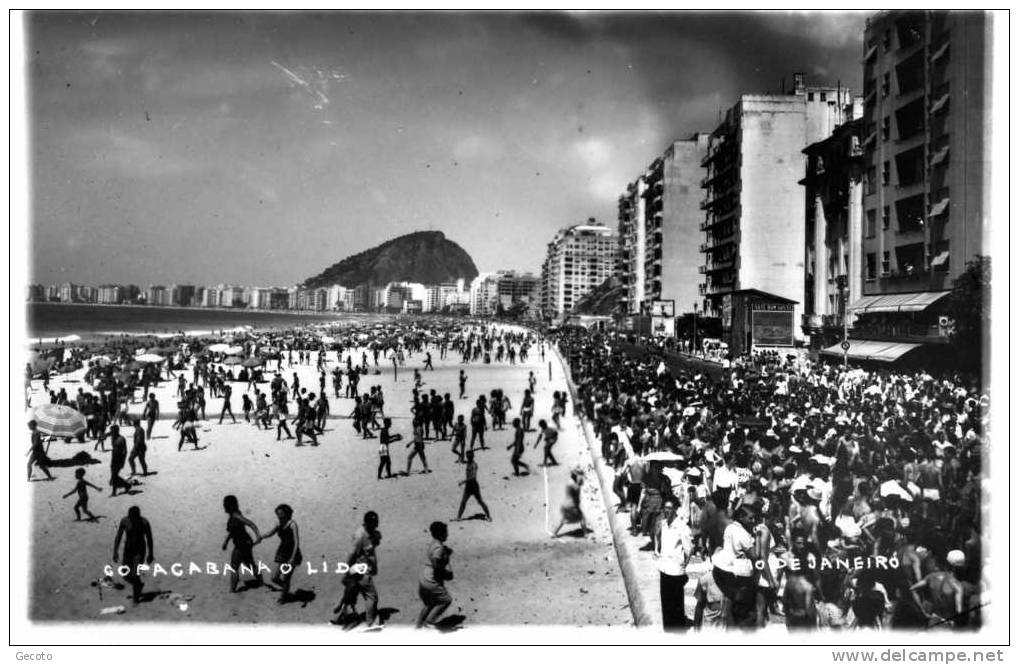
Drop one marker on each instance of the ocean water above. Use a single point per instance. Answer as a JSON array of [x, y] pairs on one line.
[[48, 320]]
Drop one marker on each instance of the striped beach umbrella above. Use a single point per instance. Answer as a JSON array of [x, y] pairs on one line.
[[40, 365], [59, 420]]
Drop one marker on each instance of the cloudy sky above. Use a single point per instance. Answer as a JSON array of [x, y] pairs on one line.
[[259, 148]]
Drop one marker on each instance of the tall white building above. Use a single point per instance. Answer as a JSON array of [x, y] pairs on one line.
[[579, 258]]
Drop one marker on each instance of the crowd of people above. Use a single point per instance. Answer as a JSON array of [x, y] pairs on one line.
[[818, 495], [192, 370]]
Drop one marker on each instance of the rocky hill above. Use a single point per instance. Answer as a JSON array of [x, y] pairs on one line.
[[602, 299], [427, 257]]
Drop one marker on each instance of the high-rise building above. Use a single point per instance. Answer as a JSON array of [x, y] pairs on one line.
[[834, 203], [754, 220], [69, 292], [484, 293], [578, 259], [659, 219], [926, 116], [156, 295], [632, 246]]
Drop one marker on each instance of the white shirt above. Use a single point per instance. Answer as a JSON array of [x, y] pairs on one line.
[[732, 557], [724, 478], [676, 544]]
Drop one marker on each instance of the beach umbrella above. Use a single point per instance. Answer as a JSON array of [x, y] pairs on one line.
[[134, 366], [218, 348], [43, 364], [664, 456], [233, 350], [59, 420], [70, 338], [253, 362], [233, 360], [123, 377], [149, 358], [102, 361]]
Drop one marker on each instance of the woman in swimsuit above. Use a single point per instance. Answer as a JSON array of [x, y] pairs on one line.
[[288, 554]]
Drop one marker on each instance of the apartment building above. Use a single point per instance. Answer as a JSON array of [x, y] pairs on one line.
[[659, 220], [926, 115], [754, 220], [578, 259], [833, 186]]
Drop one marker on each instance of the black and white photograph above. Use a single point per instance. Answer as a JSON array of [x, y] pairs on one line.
[[521, 327]]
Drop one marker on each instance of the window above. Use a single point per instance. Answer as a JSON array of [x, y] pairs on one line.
[[909, 213], [910, 166], [871, 223], [871, 180], [824, 96], [886, 43], [886, 263], [871, 265], [886, 84], [886, 217], [886, 128], [810, 96], [886, 173]]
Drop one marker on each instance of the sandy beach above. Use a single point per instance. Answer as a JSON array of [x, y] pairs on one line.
[[508, 572]]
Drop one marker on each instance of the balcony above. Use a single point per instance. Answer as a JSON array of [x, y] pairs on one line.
[[702, 289], [720, 264]]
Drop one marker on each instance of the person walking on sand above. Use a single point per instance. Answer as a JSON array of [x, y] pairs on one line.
[[463, 384], [471, 488], [478, 423], [227, 407], [81, 488], [136, 533], [38, 452], [288, 554], [362, 562], [518, 449], [118, 458], [138, 449], [237, 526], [151, 414], [419, 446], [550, 436], [434, 575], [385, 438], [571, 510]]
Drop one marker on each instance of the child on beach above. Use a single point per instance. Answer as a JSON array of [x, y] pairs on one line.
[[385, 438], [459, 438], [419, 447], [81, 487]]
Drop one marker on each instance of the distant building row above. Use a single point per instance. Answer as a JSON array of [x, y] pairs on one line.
[[488, 294]]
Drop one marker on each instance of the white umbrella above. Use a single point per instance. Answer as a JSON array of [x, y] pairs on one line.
[[233, 350], [70, 338], [326, 339], [219, 348], [892, 488], [149, 358], [664, 456]]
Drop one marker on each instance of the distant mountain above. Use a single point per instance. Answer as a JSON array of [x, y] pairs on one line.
[[602, 299], [426, 257]]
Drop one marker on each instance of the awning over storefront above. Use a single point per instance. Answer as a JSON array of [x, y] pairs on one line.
[[937, 106], [897, 302], [940, 207], [939, 156], [870, 350]]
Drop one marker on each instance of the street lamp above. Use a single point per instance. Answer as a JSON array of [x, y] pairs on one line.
[[841, 282], [693, 348]]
